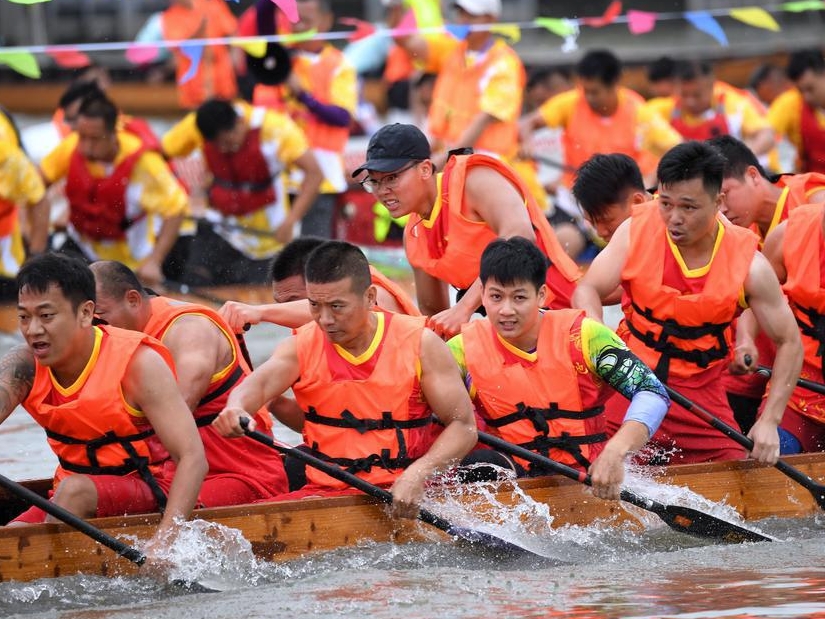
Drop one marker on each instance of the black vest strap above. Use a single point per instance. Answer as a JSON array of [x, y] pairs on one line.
[[229, 382], [540, 416], [814, 328], [348, 420]]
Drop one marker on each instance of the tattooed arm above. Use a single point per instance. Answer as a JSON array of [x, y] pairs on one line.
[[16, 378]]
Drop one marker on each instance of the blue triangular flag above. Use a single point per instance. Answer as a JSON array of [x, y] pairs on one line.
[[459, 31], [704, 21], [194, 52]]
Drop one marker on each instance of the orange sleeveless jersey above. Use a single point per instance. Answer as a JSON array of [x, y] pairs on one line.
[[537, 405], [368, 417], [456, 100], [450, 247], [805, 288], [679, 325], [94, 411]]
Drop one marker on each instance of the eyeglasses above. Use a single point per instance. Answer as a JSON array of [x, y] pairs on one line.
[[390, 181]]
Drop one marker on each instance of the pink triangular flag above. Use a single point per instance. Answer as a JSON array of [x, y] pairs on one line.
[[640, 22], [290, 9], [408, 24], [363, 29], [69, 58], [142, 53], [610, 15]]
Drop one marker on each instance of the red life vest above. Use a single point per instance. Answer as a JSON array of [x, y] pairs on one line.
[[97, 206], [241, 181], [368, 418], [813, 140], [803, 259], [676, 330], [92, 431], [714, 123], [538, 406], [450, 249]]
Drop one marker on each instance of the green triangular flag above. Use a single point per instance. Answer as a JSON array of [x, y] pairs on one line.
[[23, 62]]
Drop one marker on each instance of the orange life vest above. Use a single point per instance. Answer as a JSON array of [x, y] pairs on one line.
[[450, 249], [456, 97], [241, 181], [92, 431], [676, 332], [369, 418], [319, 73], [538, 405], [586, 133], [97, 206], [796, 189], [804, 286], [403, 300]]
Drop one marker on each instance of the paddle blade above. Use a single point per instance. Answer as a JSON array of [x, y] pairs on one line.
[[473, 536]]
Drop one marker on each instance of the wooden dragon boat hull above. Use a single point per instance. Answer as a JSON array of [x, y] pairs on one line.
[[289, 529]]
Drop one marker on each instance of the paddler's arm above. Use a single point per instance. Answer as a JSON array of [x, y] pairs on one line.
[[775, 318], [604, 275], [149, 385], [16, 378], [607, 357], [444, 391], [269, 380]]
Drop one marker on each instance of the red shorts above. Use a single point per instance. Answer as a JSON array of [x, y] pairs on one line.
[[310, 491], [117, 495]]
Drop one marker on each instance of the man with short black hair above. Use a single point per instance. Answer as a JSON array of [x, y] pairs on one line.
[[369, 383], [246, 149], [687, 272]]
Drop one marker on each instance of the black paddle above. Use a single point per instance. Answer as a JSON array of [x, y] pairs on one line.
[[678, 518], [802, 382], [124, 550], [817, 490], [462, 533]]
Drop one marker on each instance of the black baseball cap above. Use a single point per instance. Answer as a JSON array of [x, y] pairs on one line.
[[394, 145]]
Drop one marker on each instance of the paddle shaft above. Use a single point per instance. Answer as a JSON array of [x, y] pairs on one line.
[[804, 383], [816, 489], [340, 474], [124, 550]]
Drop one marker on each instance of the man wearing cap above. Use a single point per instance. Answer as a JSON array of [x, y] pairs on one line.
[[478, 93], [453, 216]]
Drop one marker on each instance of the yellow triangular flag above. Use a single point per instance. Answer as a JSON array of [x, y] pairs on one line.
[[254, 47], [511, 31], [755, 16], [23, 62]]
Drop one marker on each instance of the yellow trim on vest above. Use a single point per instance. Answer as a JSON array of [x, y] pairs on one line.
[[370, 351], [699, 271], [777, 213], [222, 373], [429, 222], [528, 356], [81, 380]]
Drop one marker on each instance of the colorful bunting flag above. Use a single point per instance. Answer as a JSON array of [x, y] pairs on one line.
[[511, 31], [297, 37], [458, 31], [800, 6], [408, 24], [363, 29], [560, 27], [640, 22], [141, 53], [704, 21], [254, 47], [755, 16], [290, 9], [23, 62], [69, 58], [28, 1], [194, 52], [427, 13], [614, 9]]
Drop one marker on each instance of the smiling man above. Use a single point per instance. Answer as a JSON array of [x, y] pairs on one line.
[[687, 272], [540, 379], [370, 384], [454, 215]]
